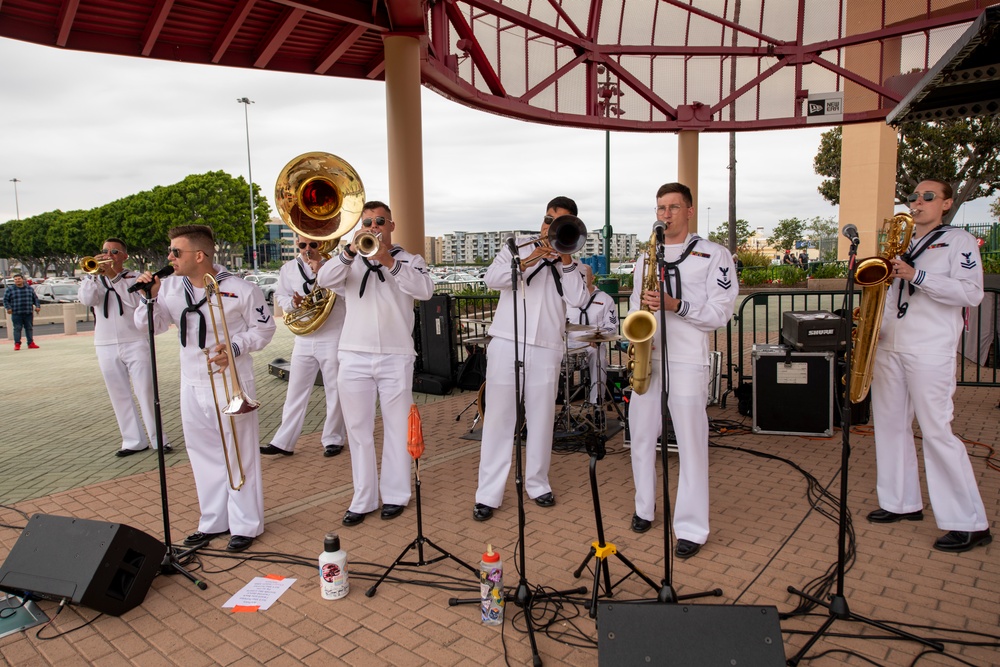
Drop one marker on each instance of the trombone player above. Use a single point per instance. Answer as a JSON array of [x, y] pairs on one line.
[[181, 299], [311, 352], [122, 347], [552, 281]]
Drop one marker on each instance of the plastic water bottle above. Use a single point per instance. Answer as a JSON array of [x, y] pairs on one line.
[[491, 587], [333, 569]]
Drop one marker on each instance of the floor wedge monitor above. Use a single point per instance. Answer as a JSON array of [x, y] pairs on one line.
[[105, 566]]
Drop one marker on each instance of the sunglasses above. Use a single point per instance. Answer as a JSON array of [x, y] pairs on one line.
[[110, 251], [367, 222], [311, 244], [926, 196], [547, 220], [176, 252]]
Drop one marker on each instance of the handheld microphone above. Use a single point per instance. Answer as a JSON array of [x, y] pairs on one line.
[[162, 273], [850, 232], [659, 228]]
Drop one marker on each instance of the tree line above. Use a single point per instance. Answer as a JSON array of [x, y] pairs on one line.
[[57, 240]]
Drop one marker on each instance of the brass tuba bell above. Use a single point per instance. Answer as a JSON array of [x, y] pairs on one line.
[[319, 196]]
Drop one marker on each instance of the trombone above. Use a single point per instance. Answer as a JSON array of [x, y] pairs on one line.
[[92, 265], [237, 403], [567, 234]]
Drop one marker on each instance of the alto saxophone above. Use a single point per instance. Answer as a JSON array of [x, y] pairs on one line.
[[874, 275], [640, 326]]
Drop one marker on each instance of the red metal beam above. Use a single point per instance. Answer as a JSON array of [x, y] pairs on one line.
[[277, 36], [691, 9], [551, 78], [479, 58], [372, 15], [64, 24], [236, 20], [155, 25], [893, 95], [338, 47]]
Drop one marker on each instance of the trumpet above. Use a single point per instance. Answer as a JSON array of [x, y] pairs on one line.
[[237, 403], [92, 265], [367, 243]]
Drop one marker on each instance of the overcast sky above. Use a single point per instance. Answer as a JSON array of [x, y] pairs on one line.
[[80, 130]]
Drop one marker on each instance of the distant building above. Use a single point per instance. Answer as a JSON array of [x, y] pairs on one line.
[[482, 247]]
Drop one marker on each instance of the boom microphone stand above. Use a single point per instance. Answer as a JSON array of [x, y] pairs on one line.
[[172, 559], [837, 605]]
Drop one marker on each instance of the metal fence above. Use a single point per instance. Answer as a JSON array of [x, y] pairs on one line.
[[757, 321]]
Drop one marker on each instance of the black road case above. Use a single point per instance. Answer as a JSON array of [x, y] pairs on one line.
[[792, 391]]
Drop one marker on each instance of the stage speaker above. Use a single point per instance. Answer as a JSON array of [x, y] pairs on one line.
[[436, 347], [687, 634], [792, 391], [105, 566]]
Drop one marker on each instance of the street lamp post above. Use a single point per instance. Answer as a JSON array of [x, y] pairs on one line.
[[708, 221], [246, 102], [17, 206]]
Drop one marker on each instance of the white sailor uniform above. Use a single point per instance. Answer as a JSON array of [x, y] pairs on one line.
[[123, 355], [601, 313], [914, 376], [544, 291], [251, 327], [705, 281], [376, 360], [313, 352]]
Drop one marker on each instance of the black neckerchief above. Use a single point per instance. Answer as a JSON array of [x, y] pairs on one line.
[[307, 282], [583, 311], [910, 257], [193, 307], [673, 274], [376, 269], [552, 267], [108, 291]]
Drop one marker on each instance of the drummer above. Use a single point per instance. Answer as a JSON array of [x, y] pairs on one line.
[[600, 314]]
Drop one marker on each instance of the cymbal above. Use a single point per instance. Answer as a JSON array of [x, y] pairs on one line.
[[477, 340], [598, 338], [580, 327]]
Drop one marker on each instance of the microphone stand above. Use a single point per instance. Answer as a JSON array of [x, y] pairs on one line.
[[837, 605], [667, 594], [172, 559]]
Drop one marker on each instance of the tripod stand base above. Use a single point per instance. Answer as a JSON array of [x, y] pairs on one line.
[[601, 553], [418, 545], [172, 564], [839, 611]]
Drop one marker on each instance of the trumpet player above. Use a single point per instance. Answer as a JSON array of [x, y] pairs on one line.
[[122, 347], [316, 351], [933, 282], [181, 300], [376, 358], [701, 295], [551, 282]]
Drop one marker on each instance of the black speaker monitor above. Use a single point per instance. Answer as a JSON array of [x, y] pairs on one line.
[[105, 566], [687, 635]]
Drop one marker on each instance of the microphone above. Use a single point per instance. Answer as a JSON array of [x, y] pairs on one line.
[[850, 232], [659, 228], [162, 273], [512, 244]]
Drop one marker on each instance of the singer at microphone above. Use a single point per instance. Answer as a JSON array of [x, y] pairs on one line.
[[659, 228], [162, 273]]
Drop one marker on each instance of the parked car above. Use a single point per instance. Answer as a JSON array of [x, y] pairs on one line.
[[260, 278], [57, 292], [460, 279], [625, 268], [267, 285]]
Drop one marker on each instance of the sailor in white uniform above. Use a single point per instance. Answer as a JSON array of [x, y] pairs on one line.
[[376, 360], [122, 347], [600, 313], [701, 295], [180, 299], [549, 282], [312, 352], [938, 277]]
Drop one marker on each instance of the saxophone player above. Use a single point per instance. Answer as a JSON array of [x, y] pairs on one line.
[[934, 281], [701, 295], [312, 352]]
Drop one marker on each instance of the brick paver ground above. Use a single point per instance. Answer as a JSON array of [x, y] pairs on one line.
[[57, 437]]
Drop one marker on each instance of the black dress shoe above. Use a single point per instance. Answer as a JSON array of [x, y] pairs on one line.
[[885, 516], [686, 548], [640, 525], [482, 512], [545, 500], [129, 452], [957, 541], [167, 449], [200, 539], [271, 450], [332, 450], [239, 543], [391, 511], [352, 518]]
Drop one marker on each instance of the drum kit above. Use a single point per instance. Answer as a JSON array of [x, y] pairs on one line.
[[576, 417]]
